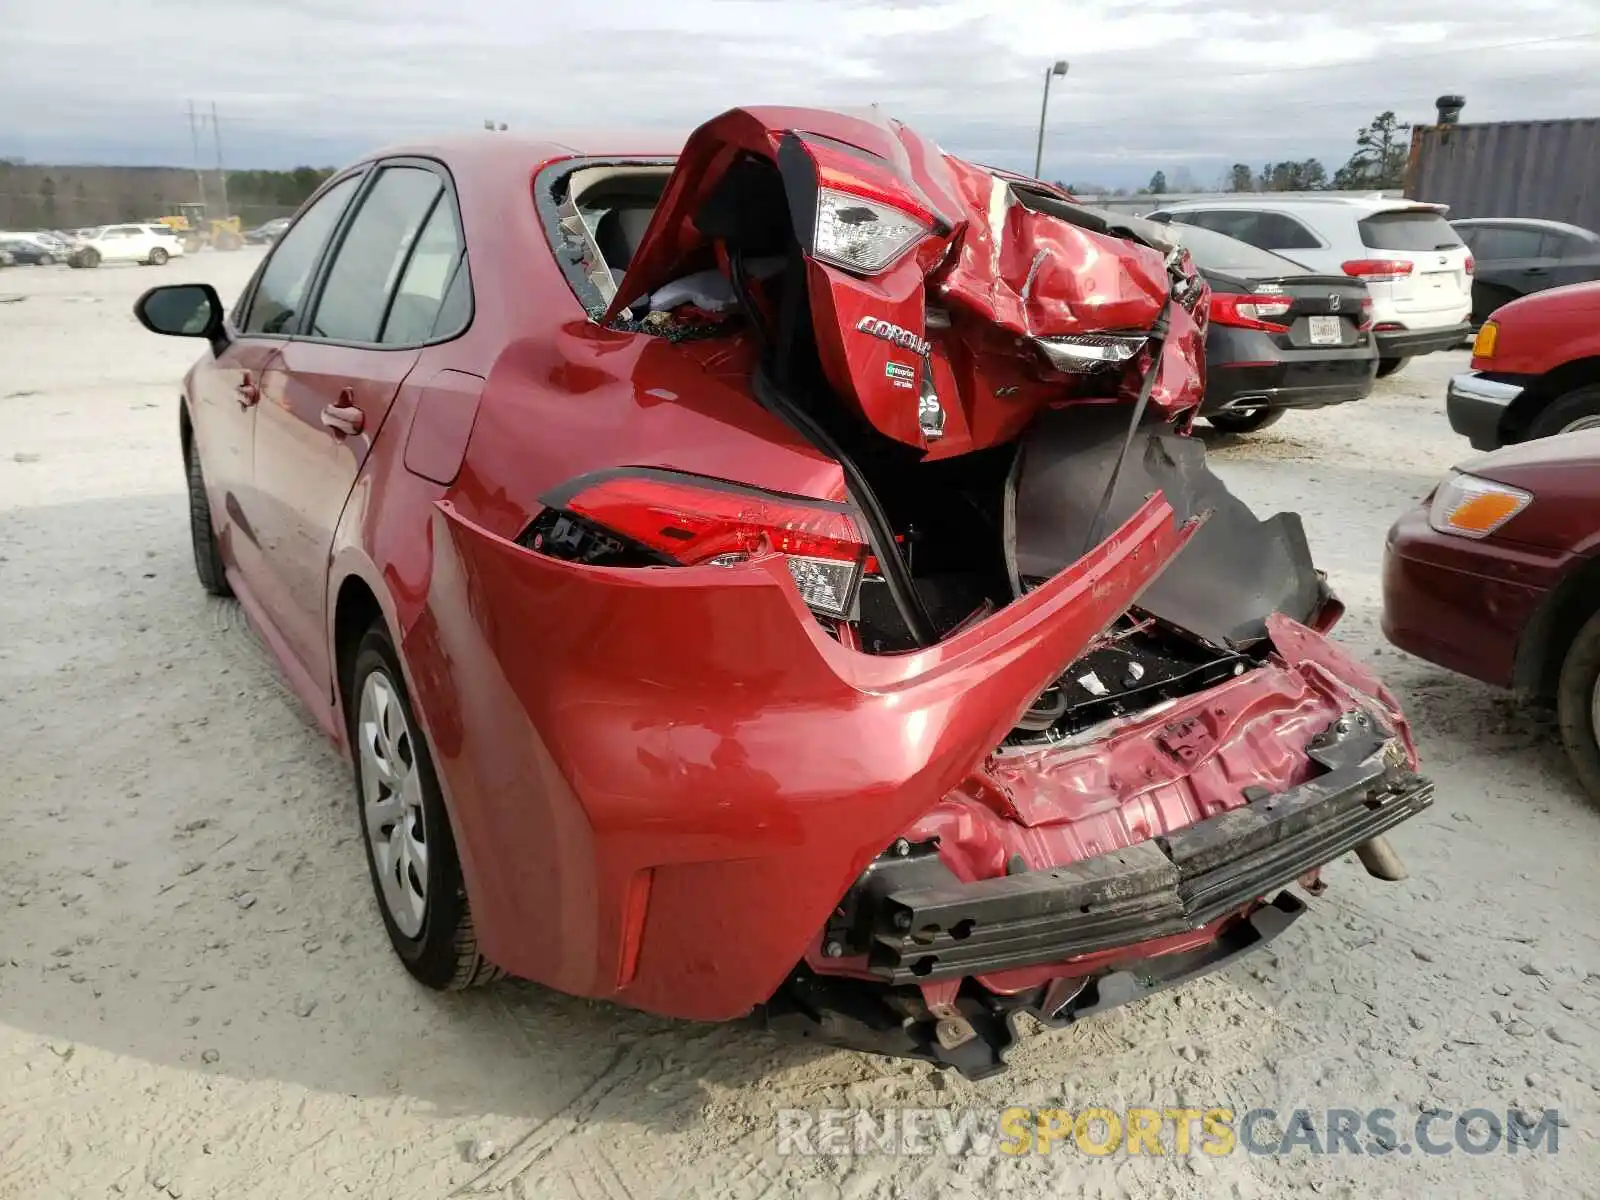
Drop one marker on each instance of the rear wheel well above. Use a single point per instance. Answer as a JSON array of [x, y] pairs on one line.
[[1549, 635], [355, 611], [1538, 394], [185, 429]]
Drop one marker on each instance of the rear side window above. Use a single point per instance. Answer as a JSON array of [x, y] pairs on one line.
[[1263, 230], [282, 290], [1214, 251], [425, 283], [1275, 231], [1566, 246], [1411, 231], [369, 261], [1492, 243]]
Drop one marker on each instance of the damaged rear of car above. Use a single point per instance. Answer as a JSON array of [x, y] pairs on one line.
[[956, 686]]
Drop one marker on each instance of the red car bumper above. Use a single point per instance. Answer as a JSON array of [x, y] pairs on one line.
[[1459, 602], [692, 837]]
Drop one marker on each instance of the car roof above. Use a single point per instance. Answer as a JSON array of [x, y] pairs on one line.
[[497, 149], [1535, 222], [1371, 202]]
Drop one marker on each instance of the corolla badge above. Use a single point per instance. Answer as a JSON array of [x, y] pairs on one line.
[[889, 332]]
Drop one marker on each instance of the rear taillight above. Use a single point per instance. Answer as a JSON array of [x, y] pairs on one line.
[[861, 234], [1365, 321], [1378, 270], [1250, 311], [1470, 264], [694, 522]]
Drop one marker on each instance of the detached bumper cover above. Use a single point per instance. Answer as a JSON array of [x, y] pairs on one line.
[[924, 924], [1475, 404]]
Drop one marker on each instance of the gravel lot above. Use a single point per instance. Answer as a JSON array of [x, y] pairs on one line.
[[196, 997]]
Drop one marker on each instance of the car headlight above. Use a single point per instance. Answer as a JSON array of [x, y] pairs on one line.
[[862, 235], [1473, 507]]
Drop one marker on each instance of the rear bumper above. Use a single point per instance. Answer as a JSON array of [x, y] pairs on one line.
[[1247, 369], [817, 1009], [1475, 405], [924, 924], [1408, 343]]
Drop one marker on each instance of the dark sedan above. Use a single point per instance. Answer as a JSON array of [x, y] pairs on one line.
[[1281, 336], [1517, 256], [26, 250], [1496, 574]]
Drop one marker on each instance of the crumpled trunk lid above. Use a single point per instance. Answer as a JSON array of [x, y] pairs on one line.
[[942, 349]]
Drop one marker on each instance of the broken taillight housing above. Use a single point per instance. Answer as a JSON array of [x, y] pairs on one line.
[[1077, 353], [678, 520], [860, 234]]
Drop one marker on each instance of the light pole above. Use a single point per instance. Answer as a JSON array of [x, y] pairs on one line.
[[1059, 68]]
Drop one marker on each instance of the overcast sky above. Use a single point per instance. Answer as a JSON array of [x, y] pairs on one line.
[[1197, 84]]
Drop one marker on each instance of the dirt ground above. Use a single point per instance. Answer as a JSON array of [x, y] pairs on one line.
[[197, 999]]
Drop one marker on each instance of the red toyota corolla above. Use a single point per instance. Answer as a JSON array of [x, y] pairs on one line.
[[777, 578]]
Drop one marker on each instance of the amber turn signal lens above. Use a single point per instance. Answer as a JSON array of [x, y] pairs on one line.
[[1483, 344], [1473, 507]]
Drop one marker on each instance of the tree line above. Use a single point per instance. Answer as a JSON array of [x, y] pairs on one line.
[[1378, 162], [34, 196]]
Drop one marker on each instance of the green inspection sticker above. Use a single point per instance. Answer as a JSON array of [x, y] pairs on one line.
[[896, 370]]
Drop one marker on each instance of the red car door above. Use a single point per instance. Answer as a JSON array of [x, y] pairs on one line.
[[381, 289], [225, 391]]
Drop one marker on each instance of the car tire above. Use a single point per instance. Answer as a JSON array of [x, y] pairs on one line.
[[1247, 421], [158, 257], [1577, 409], [207, 554], [1388, 366], [1578, 706], [427, 914]]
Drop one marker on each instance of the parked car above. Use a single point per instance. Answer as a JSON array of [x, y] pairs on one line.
[[268, 232], [1417, 271], [1496, 574], [1281, 336], [1517, 256], [126, 243], [1535, 370], [600, 560], [26, 249]]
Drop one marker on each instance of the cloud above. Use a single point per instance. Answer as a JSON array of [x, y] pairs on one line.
[[1153, 83]]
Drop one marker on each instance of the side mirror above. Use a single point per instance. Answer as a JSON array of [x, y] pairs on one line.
[[184, 310]]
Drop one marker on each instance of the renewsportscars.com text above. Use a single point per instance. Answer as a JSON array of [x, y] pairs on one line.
[[1166, 1130]]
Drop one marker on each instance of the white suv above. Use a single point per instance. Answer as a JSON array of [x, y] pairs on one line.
[[1414, 264], [151, 244]]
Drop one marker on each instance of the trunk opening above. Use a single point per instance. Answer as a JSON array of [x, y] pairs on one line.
[[950, 539]]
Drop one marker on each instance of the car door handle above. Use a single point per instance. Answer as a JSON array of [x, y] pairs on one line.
[[343, 419], [247, 392], [1536, 270]]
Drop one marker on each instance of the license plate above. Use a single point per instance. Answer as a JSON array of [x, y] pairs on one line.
[[1326, 331]]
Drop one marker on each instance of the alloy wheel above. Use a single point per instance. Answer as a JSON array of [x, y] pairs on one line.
[[391, 803], [1590, 422]]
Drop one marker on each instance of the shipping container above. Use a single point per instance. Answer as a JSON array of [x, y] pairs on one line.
[[1548, 169]]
